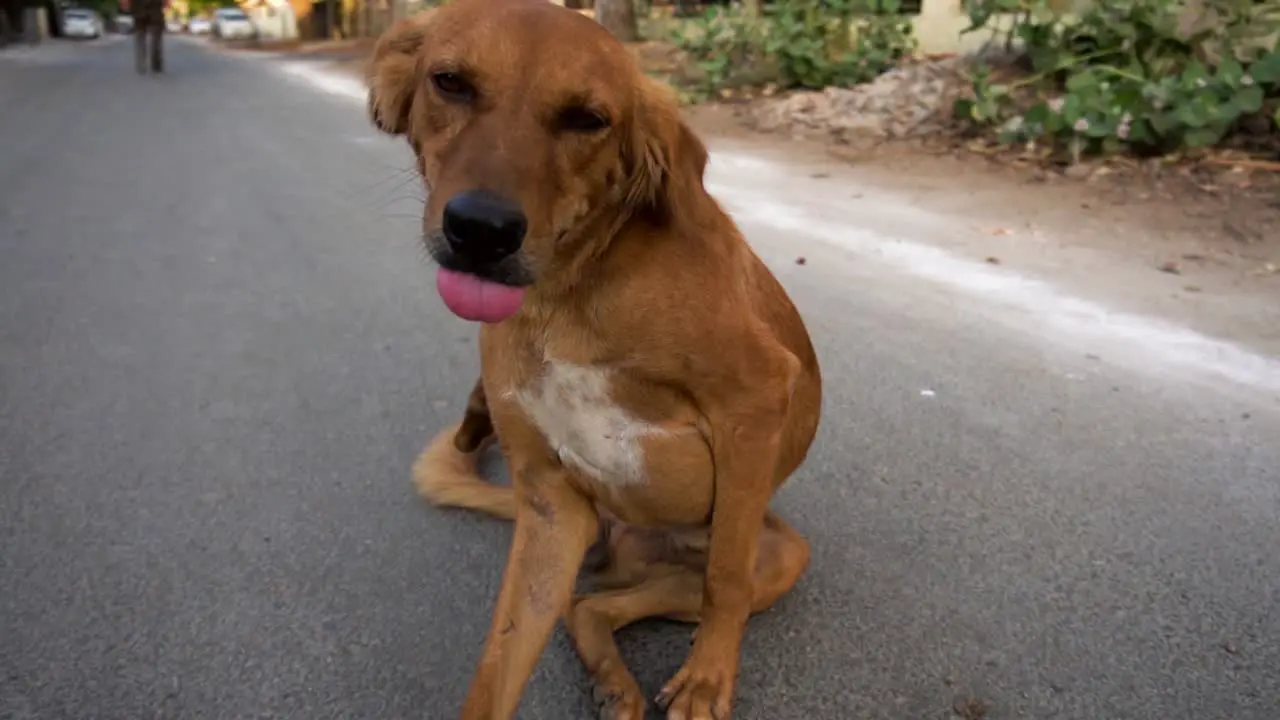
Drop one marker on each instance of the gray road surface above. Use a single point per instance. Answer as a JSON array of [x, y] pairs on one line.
[[218, 359]]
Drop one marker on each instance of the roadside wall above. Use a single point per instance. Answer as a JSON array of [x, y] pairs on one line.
[[940, 23]]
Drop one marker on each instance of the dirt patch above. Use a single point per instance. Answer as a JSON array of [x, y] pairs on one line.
[[1212, 217], [910, 101], [1156, 217]]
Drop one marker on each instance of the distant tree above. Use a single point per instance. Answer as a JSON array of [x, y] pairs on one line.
[[619, 18], [105, 8], [205, 7]]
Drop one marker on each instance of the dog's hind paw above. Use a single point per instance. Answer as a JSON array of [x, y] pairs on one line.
[[617, 702]]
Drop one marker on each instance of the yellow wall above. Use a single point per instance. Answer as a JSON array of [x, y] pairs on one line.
[[940, 22]]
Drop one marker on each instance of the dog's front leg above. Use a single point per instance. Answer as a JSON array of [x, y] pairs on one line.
[[703, 687], [553, 526], [746, 446]]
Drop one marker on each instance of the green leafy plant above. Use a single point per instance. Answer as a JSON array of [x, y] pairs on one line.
[[798, 43], [1130, 75], [724, 44], [820, 43]]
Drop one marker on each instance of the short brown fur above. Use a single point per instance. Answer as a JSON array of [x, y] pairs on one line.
[[637, 270]]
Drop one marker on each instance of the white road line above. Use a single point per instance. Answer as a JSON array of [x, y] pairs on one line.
[[1140, 342]]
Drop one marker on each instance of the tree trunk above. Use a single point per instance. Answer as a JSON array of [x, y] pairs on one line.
[[619, 18]]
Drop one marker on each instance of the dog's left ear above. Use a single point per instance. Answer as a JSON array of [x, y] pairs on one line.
[[392, 74], [666, 160]]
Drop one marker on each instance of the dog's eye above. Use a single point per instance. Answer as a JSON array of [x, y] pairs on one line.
[[581, 120], [453, 86]]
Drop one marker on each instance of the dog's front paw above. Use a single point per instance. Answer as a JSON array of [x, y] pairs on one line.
[[701, 690], [618, 698]]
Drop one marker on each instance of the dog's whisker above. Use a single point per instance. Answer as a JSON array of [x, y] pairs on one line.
[[407, 198], [403, 177], [397, 178], [399, 216], [384, 202]]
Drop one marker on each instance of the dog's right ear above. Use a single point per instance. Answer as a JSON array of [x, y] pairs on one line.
[[392, 74], [666, 159]]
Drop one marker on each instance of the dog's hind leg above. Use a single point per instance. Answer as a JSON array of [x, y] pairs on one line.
[[670, 586], [593, 619], [446, 471]]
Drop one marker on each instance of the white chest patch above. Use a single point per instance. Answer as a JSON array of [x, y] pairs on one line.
[[572, 406]]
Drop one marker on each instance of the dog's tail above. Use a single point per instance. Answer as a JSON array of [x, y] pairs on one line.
[[448, 477]]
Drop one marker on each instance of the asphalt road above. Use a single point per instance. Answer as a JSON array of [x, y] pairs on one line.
[[219, 357]]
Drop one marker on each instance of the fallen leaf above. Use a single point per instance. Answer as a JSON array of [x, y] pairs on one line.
[[1002, 231], [970, 708], [800, 260], [1171, 267], [993, 260], [1230, 648]]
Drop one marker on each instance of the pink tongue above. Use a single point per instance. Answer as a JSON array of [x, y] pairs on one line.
[[472, 298]]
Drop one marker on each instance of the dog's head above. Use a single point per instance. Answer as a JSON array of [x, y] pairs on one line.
[[535, 132]]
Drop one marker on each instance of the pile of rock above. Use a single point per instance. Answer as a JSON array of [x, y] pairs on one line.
[[909, 101]]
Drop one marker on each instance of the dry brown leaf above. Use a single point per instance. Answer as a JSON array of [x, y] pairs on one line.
[[969, 708]]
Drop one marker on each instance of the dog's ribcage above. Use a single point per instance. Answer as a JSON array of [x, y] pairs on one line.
[[573, 407]]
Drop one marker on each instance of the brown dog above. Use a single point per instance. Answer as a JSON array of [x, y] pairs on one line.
[[647, 378]]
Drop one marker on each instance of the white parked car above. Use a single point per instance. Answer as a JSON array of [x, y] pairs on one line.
[[200, 26], [81, 23], [124, 24], [232, 24]]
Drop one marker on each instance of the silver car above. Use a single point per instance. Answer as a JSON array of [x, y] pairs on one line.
[[81, 23], [232, 24]]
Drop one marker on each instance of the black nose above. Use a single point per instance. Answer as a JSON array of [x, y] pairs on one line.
[[483, 227]]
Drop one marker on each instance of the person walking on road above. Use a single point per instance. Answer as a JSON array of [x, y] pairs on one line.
[[148, 18]]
